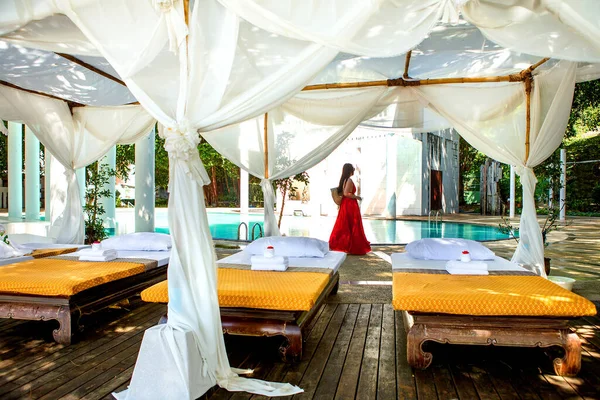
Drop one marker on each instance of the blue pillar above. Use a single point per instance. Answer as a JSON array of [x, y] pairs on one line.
[[15, 170]]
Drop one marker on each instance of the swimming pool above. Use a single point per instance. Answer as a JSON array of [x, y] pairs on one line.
[[224, 225]]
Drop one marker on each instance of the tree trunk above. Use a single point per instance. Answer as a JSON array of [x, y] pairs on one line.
[[213, 185], [461, 189], [282, 204]]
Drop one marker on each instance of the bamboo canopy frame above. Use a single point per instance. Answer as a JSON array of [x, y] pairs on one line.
[[266, 145], [90, 67], [70, 103], [524, 76]]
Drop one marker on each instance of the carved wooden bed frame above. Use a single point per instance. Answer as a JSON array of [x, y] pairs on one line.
[[268, 323], [68, 310], [496, 331]]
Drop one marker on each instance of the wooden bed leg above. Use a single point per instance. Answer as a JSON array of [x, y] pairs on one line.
[[335, 288], [570, 364], [415, 355], [62, 335], [291, 349]]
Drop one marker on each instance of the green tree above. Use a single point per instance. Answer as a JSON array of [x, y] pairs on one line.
[[469, 163], [585, 111], [125, 158], [287, 189], [161, 164], [97, 177]]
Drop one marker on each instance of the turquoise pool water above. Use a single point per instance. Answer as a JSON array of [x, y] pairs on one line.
[[224, 225]]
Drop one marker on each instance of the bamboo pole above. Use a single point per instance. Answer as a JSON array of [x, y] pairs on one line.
[[534, 66], [266, 145], [414, 82], [90, 67], [528, 84], [406, 64], [71, 103], [406, 81], [186, 11]]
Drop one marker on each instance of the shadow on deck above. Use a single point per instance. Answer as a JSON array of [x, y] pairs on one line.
[[351, 351]]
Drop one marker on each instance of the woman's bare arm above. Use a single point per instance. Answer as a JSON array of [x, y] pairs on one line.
[[349, 188]]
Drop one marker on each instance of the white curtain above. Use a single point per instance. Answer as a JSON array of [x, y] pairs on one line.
[[240, 71], [565, 29], [493, 120], [301, 133], [75, 140], [376, 28]]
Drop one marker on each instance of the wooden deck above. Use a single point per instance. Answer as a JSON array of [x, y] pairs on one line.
[[352, 351]]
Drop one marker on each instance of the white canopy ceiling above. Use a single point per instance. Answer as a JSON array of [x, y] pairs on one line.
[[30, 58]]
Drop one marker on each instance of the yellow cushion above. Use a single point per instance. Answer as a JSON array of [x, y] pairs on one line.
[[486, 295], [41, 253], [291, 291], [61, 278]]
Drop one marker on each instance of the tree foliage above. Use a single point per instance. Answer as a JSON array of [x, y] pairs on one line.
[[125, 158], [585, 111], [287, 189], [224, 176], [469, 163], [96, 179]]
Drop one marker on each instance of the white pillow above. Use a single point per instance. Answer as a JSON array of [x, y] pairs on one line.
[[289, 246], [447, 249], [140, 241]]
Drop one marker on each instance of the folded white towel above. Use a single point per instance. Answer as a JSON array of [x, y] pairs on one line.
[[268, 260], [89, 252], [458, 271], [473, 265], [262, 263], [269, 267], [455, 267], [109, 257]]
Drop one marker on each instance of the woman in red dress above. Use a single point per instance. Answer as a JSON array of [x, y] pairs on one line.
[[348, 234]]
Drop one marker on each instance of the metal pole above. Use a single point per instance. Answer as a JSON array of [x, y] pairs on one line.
[[512, 191], [563, 184], [15, 170]]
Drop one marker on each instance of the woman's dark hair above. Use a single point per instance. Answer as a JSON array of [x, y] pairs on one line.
[[347, 171]]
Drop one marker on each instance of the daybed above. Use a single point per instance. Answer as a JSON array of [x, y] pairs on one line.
[[64, 288], [41, 250], [509, 307], [269, 303]]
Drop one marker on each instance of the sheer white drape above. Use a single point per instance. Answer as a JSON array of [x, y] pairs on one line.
[[493, 120], [373, 28], [75, 140], [565, 29], [301, 133]]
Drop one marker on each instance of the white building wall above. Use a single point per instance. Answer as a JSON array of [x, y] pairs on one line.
[[451, 172], [367, 149], [409, 198]]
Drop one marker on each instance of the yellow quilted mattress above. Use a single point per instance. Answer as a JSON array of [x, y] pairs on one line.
[[41, 253], [290, 291], [61, 278], [486, 295]]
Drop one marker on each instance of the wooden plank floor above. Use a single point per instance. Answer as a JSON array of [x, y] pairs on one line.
[[351, 351]]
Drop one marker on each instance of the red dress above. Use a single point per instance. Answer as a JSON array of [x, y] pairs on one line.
[[348, 234]]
